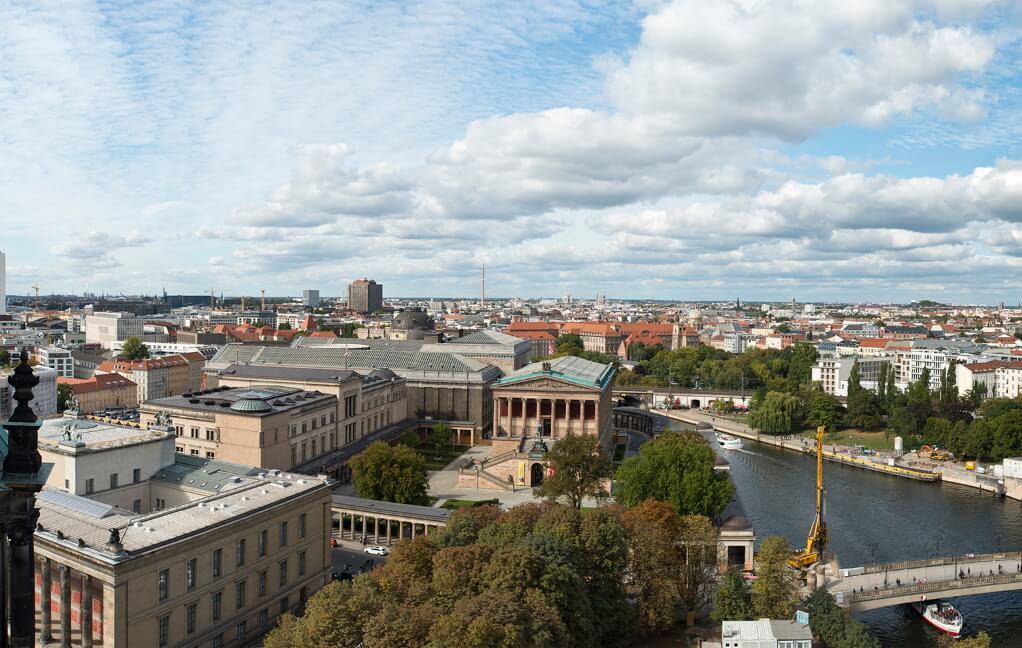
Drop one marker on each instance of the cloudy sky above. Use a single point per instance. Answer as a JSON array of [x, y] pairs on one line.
[[685, 149]]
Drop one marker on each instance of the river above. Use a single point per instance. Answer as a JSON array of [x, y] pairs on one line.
[[878, 518]]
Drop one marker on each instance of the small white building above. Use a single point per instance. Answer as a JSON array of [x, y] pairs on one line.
[[44, 401], [57, 359], [766, 633]]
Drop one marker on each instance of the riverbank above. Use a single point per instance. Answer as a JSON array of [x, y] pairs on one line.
[[908, 468]]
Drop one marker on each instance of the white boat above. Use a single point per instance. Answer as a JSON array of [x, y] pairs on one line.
[[729, 442], [942, 616]]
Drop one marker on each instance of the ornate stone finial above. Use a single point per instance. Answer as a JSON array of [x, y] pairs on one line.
[[23, 380], [23, 428]]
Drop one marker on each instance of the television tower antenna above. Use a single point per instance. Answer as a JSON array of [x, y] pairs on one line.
[[262, 300], [482, 287]]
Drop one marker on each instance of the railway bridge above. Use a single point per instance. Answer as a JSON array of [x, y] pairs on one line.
[[887, 584]]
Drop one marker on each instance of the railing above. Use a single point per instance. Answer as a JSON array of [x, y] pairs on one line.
[[853, 596], [940, 562]]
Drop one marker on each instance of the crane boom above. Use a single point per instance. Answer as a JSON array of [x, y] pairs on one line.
[[816, 541]]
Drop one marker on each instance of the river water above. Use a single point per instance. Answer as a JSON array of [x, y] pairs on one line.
[[879, 518]]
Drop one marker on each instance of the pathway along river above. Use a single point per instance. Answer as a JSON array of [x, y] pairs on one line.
[[874, 517]]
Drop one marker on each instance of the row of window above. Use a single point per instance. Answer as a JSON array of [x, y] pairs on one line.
[[240, 553], [90, 484], [240, 630], [195, 452]]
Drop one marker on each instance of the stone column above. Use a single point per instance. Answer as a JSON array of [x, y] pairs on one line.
[[22, 580], [86, 613], [425, 529], [553, 417], [45, 592], [400, 530], [388, 531], [65, 606], [364, 527], [413, 530]]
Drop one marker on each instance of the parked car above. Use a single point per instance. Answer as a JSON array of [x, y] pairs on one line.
[[376, 550]]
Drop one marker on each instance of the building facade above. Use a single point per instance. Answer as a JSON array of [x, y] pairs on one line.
[[56, 358], [365, 296], [310, 298], [159, 377], [105, 328], [268, 426], [102, 392]]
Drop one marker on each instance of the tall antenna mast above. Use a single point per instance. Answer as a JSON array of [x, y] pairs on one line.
[[262, 299], [482, 287]]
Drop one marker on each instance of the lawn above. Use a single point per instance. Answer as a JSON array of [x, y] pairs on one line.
[[463, 503], [447, 454], [872, 440]]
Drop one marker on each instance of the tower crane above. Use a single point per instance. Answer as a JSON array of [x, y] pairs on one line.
[[35, 287], [816, 541]]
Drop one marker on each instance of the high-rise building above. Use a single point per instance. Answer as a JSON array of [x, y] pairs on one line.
[[3, 282], [310, 298], [365, 296]]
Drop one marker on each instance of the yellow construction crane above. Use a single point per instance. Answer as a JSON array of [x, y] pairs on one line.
[[36, 288], [816, 542]]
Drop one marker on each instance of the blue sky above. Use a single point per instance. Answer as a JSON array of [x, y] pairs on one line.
[[685, 149]]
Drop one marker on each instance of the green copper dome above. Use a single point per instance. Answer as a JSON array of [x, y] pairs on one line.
[[251, 406]]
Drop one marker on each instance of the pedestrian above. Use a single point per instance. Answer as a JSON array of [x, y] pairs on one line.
[[969, 570], [898, 581]]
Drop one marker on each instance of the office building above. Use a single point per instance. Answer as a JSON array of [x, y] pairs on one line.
[[105, 328], [365, 296], [56, 358], [310, 298], [159, 377]]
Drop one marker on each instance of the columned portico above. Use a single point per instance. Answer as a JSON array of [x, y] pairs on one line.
[[351, 514]]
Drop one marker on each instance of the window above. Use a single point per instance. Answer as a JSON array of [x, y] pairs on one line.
[[332, 444], [261, 583], [303, 450], [301, 563], [331, 417], [305, 427], [322, 420], [190, 573], [282, 577], [282, 540], [349, 406], [136, 506], [313, 447], [190, 619], [218, 555], [211, 455], [240, 631], [240, 550], [301, 525], [195, 433], [136, 475], [294, 429], [315, 424], [113, 480], [180, 449], [283, 605], [239, 594], [90, 486], [218, 641], [164, 631], [212, 435], [164, 581], [264, 618], [294, 455], [195, 452], [262, 543], [217, 604]]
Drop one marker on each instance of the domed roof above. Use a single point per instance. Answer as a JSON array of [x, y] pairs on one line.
[[251, 406], [413, 319], [382, 373]]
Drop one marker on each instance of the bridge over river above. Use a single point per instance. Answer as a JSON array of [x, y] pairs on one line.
[[886, 584]]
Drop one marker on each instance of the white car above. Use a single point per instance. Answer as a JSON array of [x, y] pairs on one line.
[[376, 551]]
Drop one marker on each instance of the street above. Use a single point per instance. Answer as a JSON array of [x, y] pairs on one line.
[[348, 557]]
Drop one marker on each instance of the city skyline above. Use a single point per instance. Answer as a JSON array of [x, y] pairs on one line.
[[663, 150]]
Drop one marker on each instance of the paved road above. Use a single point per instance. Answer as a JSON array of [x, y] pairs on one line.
[[349, 557]]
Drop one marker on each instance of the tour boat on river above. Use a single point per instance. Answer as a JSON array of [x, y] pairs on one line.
[[942, 616], [729, 442]]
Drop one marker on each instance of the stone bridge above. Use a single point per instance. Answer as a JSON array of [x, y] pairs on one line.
[[664, 397], [887, 584]]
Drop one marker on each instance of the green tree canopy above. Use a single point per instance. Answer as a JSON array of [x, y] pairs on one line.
[[775, 590], [440, 435], [391, 474], [133, 349], [733, 600], [678, 468], [834, 626], [64, 394], [580, 470], [777, 413]]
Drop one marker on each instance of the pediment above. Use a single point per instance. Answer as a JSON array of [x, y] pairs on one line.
[[544, 384]]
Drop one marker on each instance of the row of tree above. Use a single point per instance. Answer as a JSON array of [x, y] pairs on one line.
[[539, 575]]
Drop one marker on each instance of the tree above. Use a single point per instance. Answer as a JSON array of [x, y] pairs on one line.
[[580, 470], [981, 640], [854, 380], [568, 344], [64, 394], [677, 468], [733, 600], [823, 409], [410, 438], [800, 369], [865, 411], [283, 326], [133, 349], [392, 474], [777, 413], [882, 385], [440, 434], [891, 394], [699, 568], [283, 634], [653, 529], [5, 358], [775, 591], [834, 626]]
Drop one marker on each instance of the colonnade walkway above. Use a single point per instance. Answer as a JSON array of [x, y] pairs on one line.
[[383, 523]]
